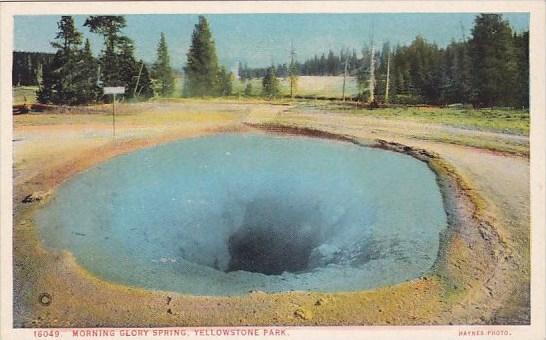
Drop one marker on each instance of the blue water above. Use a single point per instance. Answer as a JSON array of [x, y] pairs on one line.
[[204, 216]]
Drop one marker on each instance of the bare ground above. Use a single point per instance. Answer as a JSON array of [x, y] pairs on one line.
[[481, 275]]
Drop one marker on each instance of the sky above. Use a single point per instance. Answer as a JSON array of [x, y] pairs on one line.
[[263, 39]]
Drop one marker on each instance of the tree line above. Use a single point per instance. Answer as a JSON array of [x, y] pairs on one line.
[[489, 69], [331, 64]]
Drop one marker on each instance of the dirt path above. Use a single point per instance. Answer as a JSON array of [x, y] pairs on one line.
[[51, 148]]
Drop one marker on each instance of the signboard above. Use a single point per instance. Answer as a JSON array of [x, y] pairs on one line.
[[114, 90]]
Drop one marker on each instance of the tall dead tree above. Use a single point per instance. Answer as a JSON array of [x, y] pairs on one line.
[[372, 75], [388, 76], [344, 76], [371, 86], [292, 70], [138, 78]]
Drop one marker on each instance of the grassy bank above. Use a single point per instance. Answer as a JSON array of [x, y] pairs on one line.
[[511, 121]]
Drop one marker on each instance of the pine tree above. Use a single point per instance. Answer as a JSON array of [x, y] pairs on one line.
[[381, 71], [424, 68], [58, 87], [50, 81], [118, 64], [162, 70], [248, 89], [401, 77], [202, 63], [87, 89], [243, 71], [448, 84], [494, 61], [69, 78], [129, 68], [270, 84], [293, 72], [224, 82], [463, 76], [144, 87], [135, 74], [110, 28], [331, 68], [363, 75], [39, 74], [521, 93]]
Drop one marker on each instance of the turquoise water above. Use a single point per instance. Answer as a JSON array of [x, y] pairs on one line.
[[231, 213]]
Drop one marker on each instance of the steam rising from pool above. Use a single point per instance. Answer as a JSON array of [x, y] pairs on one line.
[[232, 213]]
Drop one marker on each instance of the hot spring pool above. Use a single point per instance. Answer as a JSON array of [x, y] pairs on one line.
[[227, 214]]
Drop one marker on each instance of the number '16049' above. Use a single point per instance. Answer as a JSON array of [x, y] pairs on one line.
[[46, 333]]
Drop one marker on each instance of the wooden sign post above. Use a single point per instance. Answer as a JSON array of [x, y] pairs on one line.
[[113, 91]]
